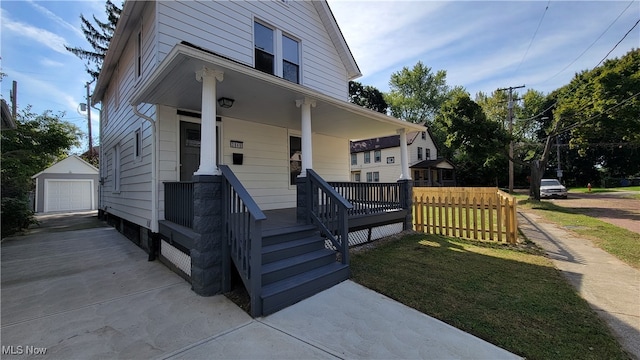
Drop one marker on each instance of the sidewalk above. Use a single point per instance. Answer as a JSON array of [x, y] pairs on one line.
[[92, 294], [611, 287]]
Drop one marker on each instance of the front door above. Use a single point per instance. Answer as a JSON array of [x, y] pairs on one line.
[[189, 149]]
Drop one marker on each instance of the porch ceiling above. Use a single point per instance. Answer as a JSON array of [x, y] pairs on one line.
[[259, 97]]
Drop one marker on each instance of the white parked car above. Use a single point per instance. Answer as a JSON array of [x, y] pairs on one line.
[[552, 188]]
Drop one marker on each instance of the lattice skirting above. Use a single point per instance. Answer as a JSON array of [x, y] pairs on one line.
[[181, 260], [362, 236]]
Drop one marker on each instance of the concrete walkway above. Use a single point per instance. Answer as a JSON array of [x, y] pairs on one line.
[[91, 293], [611, 287]]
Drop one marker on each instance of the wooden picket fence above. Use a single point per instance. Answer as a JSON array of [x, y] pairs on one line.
[[479, 213]]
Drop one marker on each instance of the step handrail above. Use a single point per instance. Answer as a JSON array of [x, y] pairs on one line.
[[329, 210], [242, 221]]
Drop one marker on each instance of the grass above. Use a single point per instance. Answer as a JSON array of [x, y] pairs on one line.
[[619, 242], [511, 297], [602, 190]]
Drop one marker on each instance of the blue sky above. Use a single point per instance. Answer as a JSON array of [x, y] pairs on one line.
[[482, 45]]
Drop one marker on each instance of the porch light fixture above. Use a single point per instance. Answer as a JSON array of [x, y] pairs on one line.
[[225, 102]]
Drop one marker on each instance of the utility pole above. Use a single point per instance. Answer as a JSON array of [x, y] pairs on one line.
[[14, 100], [510, 107], [89, 120], [559, 170]]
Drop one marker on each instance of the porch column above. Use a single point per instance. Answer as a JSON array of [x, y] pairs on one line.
[[307, 146], [404, 155], [208, 140]]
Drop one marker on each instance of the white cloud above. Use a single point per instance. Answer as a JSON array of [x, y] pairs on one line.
[[56, 18], [39, 35], [50, 63]]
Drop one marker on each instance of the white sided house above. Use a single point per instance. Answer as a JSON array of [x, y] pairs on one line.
[[70, 184], [377, 160], [223, 125]]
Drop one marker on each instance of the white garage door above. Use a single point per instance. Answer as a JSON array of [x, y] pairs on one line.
[[67, 195]]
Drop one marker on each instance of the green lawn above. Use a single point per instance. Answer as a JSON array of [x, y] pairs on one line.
[[621, 243], [511, 297]]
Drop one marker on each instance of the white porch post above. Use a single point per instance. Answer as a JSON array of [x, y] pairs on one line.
[[404, 155], [307, 145], [208, 138]]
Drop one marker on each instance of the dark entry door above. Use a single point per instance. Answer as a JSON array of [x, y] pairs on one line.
[[189, 149]]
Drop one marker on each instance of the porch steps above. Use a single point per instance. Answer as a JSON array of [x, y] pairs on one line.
[[296, 265]]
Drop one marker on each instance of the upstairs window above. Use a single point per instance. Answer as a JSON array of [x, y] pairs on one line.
[[419, 153], [367, 157], [377, 156], [354, 159], [139, 55], [290, 59], [264, 49], [424, 135], [428, 154]]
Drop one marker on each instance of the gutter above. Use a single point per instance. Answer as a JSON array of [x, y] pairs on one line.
[[154, 167]]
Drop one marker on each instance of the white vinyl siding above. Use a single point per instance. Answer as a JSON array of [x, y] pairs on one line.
[[265, 168], [133, 199], [226, 28]]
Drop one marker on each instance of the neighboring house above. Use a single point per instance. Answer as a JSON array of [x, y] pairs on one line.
[[7, 118], [221, 123], [68, 185], [378, 160]]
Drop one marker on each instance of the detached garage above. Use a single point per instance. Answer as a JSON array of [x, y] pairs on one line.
[[68, 185]]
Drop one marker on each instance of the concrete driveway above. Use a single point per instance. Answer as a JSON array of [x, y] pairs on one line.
[[90, 293]]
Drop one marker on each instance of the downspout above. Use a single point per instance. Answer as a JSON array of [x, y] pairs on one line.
[[154, 166]]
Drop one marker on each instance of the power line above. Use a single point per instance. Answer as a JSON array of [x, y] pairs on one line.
[[534, 36], [593, 43], [618, 43]]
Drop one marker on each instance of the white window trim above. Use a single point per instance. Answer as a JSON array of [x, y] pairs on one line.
[[139, 61], [278, 56]]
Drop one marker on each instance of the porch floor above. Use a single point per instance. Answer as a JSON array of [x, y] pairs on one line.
[[280, 219]]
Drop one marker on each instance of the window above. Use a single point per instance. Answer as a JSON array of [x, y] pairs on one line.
[[264, 49], [424, 135], [427, 154], [137, 145], [116, 168], [295, 158], [376, 176], [290, 62], [377, 156], [354, 159], [419, 153], [369, 177], [356, 177], [391, 159], [367, 157], [139, 55], [276, 53]]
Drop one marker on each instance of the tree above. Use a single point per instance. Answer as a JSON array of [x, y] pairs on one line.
[[35, 144], [417, 94], [99, 37], [478, 145], [367, 96]]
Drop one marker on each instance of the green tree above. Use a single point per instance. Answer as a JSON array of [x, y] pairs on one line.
[[99, 37], [35, 144], [478, 146], [367, 96], [416, 94]]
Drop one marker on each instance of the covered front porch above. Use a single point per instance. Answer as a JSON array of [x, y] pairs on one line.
[[271, 216]]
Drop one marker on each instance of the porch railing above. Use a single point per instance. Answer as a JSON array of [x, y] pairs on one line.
[[178, 202], [242, 222], [371, 198], [329, 211]]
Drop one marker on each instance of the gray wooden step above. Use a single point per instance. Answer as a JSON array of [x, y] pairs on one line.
[[275, 236], [280, 251], [281, 269], [286, 292]]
